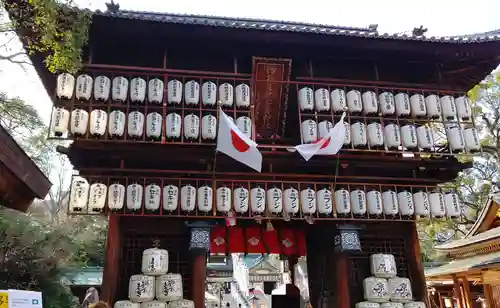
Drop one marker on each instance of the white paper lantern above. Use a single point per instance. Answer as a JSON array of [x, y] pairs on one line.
[[223, 199], [324, 128], [155, 90], [60, 120], [226, 95], [367, 305], [471, 138], [375, 134], [116, 196], [79, 195], [192, 93], [376, 289], [324, 199], [409, 136], [137, 90], [191, 126], [244, 124], [455, 138], [154, 304], [154, 262], [84, 87], [97, 197], [174, 92], [126, 304], [383, 265], [415, 305], [65, 86], [322, 100], [134, 196], [421, 203], [400, 290], [358, 202], [417, 104], [452, 205], [358, 134], [79, 122], [433, 106], [242, 95], [342, 201], [208, 127], [448, 107], [291, 200], [102, 86], [119, 89], [464, 111], [405, 203], [188, 198], [141, 288], [98, 122], [274, 200], [135, 127], [152, 198], [182, 303], [241, 200], [306, 99], [374, 202], [387, 106], [338, 99], [390, 202], [354, 103], [425, 138], [205, 199], [370, 103], [402, 102], [116, 123], [308, 201], [170, 198], [209, 93], [309, 131], [392, 136], [169, 287], [258, 200], [173, 126], [154, 125], [347, 138], [436, 200]]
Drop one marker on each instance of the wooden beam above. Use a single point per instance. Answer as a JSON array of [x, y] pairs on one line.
[[466, 292], [457, 293]]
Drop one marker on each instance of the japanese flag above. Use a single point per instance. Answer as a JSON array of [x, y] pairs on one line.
[[328, 145], [232, 142]]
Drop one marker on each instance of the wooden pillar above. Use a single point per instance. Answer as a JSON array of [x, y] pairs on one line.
[[112, 261], [341, 273], [457, 293], [466, 293], [416, 267], [441, 301], [199, 259], [487, 294]]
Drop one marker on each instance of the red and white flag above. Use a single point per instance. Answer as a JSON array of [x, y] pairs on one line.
[[328, 145], [235, 144]]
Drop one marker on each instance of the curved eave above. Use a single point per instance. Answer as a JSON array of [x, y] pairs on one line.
[[467, 244], [486, 217]]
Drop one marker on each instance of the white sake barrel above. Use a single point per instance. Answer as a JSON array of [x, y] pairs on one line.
[[126, 304], [390, 202], [173, 126], [138, 90], [455, 138], [116, 123], [65, 86], [98, 122], [322, 100], [376, 289], [79, 195], [152, 197], [134, 196], [141, 288], [209, 93], [79, 122], [192, 92], [97, 197], [135, 125], [391, 305], [188, 198], [275, 200], [425, 138], [324, 128], [354, 101], [291, 200], [367, 305], [154, 304], [417, 105], [338, 100], [358, 202], [405, 203], [452, 205], [241, 200], [102, 86], [308, 201], [174, 92], [464, 111], [306, 99], [387, 106], [205, 199], [170, 198], [415, 305], [448, 107], [433, 106], [409, 136], [258, 200], [309, 131], [224, 199], [60, 120], [169, 287], [226, 94], [342, 201], [375, 134], [244, 124], [471, 138], [154, 262], [400, 291], [421, 203], [116, 196], [182, 303], [383, 265], [370, 103], [119, 89], [402, 102], [374, 202], [84, 87], [155, 90], [347, 138], [392, 136], [154, 125], [324, 200], [358, 134], [436, 200], [208, 127], [191, 126], [242, 94]]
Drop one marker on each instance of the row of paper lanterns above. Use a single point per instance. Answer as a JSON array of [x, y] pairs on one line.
[[93, 198]]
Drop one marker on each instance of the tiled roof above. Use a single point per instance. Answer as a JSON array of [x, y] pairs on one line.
[[463, 265], [481, 237], [284, 26]]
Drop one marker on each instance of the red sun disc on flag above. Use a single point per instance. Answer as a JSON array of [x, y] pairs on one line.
[[327, 142], [239, 144]]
